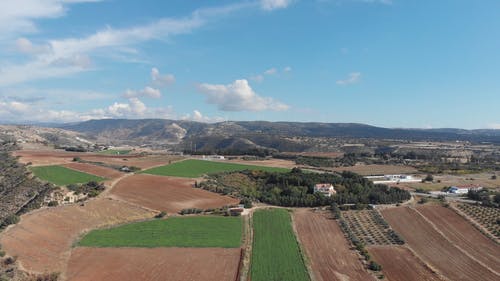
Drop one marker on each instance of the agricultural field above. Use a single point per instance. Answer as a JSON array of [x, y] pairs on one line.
[[276, 254], [167, 193], [450, 259], [116, 151], [370, 228], [99, 171], [328, 251], [60, 175], [486, 217], [399, 263], [198, 231], [369, 170], [154, 264], [464, 235], [193, 168], [43, 238]]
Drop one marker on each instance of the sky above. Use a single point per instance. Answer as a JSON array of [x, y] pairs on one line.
[[390, 63]]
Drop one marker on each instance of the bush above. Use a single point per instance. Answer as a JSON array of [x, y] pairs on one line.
[[429, 177], [77, 159], [423, 200], [247, 203], [494, 177], [11, 219], [161, 215], [2, 254], [52, 204], [375, 266]]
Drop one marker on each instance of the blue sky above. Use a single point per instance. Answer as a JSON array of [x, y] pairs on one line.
[[399, 63]]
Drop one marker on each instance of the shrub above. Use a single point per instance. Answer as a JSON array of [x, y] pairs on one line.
[[375, 266], [11, 219], [53, 203], [161, 215], [2, 254], [423, 200], [429, 177], [247, 203]]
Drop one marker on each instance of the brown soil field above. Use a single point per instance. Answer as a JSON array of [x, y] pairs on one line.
[[367, 170], [173, 264], [267, 163], [433, 248], [317, 154], [57, 157], [461, 233], [167, 193], [43, 238], [94, 170], [329, 252], [398, 263]]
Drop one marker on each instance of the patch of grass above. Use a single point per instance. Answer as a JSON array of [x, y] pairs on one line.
[[60, 175], [276, 254], [200, 231], [116, 151], [192, 168]]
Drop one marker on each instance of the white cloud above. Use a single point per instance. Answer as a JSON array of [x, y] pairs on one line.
[[134, 107], [198, 117], [257, 78], [270, 71], [287, 69], [146, 92], [161, 80], [353, 78], [18, 16], [238, 96], [270, 5], [25, 46]]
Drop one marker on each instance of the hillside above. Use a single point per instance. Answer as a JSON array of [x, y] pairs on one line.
[[244, 135]]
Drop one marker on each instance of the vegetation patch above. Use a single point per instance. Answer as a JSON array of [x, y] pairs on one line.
[[487, 217], [192, 168], [59, 175], [296, 188], [276, 254], [115, 151], [199, 231]]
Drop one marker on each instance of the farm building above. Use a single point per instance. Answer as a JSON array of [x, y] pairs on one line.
[[462, 189], [393, 179], [324, 188]]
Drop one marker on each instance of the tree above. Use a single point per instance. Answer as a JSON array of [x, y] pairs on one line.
[[375, 266], [10, 219], [429, 177], [494, 177], [161, 215]]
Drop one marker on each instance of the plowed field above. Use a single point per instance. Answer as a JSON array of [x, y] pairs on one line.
[[167, 193], [435, 249], [399, 264], [94, 170], [43, 239], [461, 233], [329, 253], [156, 264]]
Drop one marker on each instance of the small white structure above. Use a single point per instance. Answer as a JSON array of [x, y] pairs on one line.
[[392, 179], [462, 189], [324, 188]]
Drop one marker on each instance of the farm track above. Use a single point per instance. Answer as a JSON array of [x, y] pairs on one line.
[[329, 252], [433, 248]]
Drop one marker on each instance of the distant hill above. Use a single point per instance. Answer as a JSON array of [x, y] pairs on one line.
[[242, 135]]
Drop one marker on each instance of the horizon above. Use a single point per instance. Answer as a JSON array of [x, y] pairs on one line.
[[43, 124], [375, 62]]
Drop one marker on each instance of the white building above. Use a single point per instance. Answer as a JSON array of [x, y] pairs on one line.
[[324, 188], [462, 189], [392, 179]]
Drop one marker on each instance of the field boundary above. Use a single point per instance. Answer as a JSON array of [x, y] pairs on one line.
[[305, 258]]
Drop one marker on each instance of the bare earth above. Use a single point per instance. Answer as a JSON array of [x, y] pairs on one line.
[[167, 193], [328, 250], [267, 163], [58, 157], [43, 239], [155, 264], [399, 263], [461, 233], [95, 170], [433, 248], [367, 170]]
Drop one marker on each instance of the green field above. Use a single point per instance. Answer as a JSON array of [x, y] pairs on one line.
[[200, 231], [60, 175], [192, 168], [276, 254], [116, 151]]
